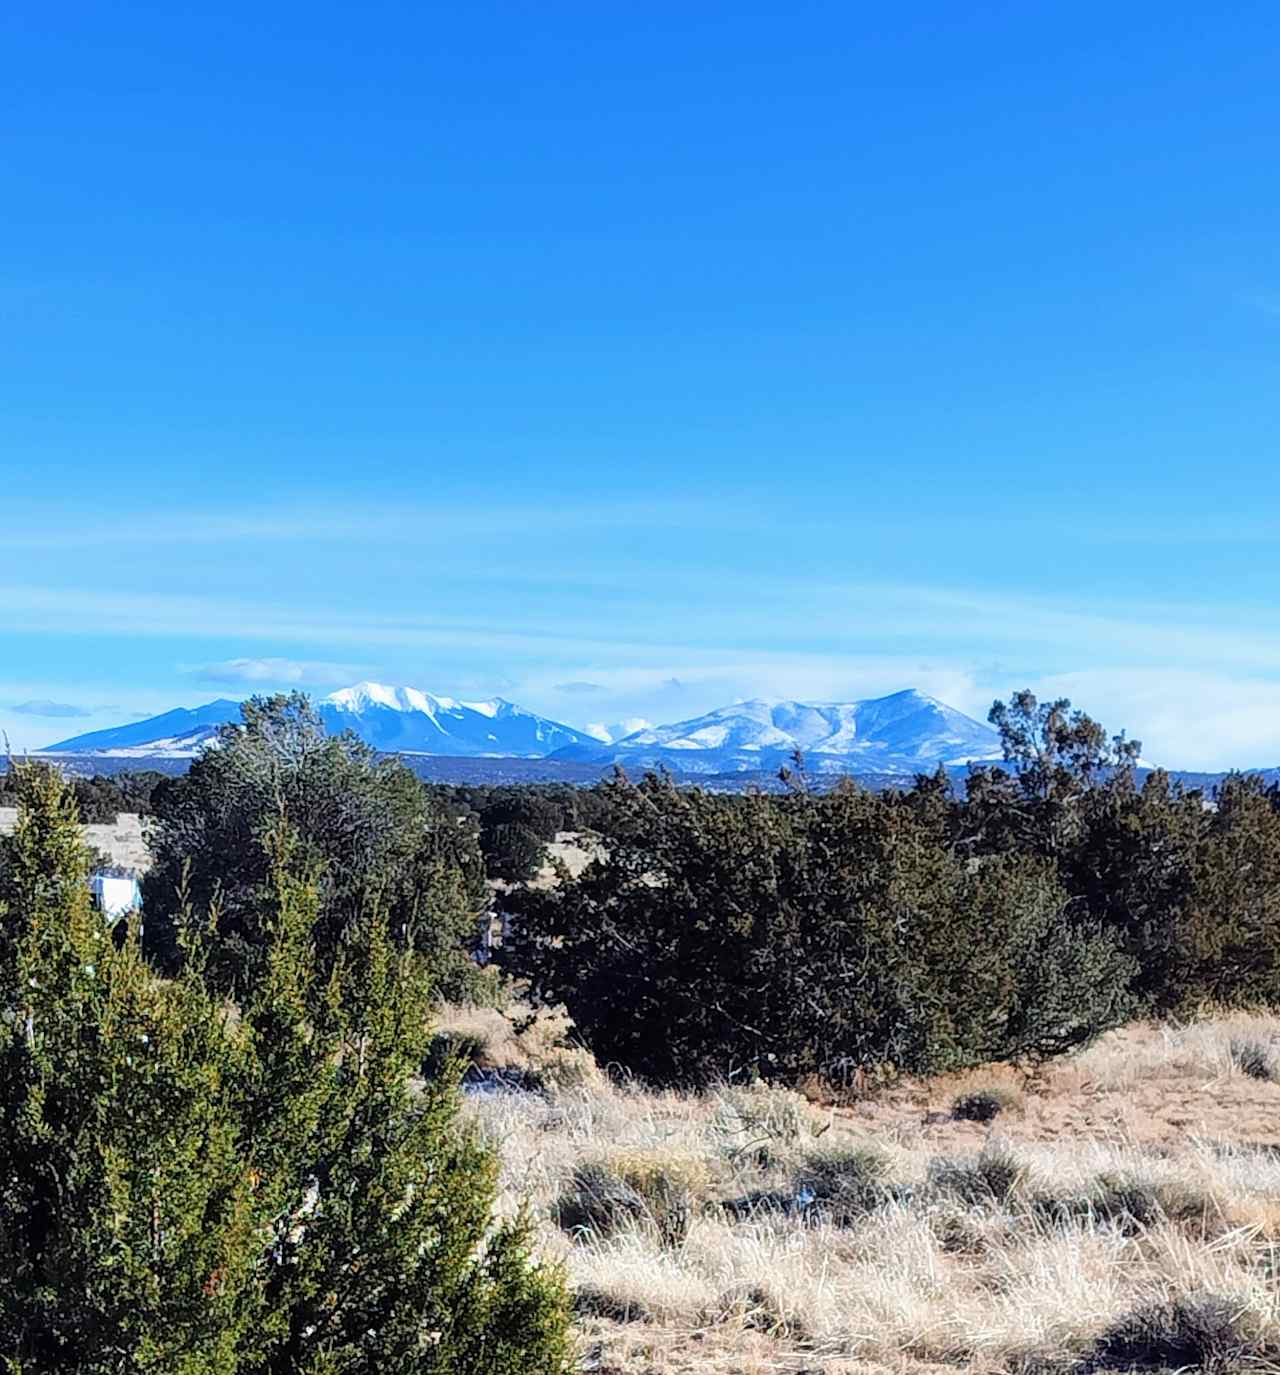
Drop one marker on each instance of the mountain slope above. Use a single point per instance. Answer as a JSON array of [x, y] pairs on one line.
[[389, 718], [178, 733], [902, 733]]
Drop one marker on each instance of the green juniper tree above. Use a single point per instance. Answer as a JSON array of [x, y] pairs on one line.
[[1059, 756], [191, 1186], [811, 933], [375, 833]]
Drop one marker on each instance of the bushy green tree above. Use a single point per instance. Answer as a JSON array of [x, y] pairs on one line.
[[515, 825], [1056, 750], [190, 1186], [1058, 755], [1226, 933], [809, 933], [380, 840], [1133, 867]]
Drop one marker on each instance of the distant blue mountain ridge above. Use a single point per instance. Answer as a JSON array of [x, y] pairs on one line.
[[903, 733]]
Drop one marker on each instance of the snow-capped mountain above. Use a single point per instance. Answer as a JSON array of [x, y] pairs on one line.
[[903, 733], [408, 721], [394, 719]]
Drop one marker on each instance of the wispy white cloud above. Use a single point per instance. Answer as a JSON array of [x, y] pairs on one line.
[[44, 707], [838, 614], [617, 730], [951, 627], [272, 672]]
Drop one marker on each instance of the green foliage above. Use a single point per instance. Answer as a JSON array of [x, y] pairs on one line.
[[463, 983], [190, 1186], [1056, 751], [513, 823], [102, 798], [731, 936], [378, 839], [452, 1050], [512, 851], [1190, 887], [1228, 946], [847, 935]]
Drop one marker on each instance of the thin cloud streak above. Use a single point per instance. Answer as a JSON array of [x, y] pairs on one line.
[[41, 707], [857, 612], [270, 672], [322, 525], [1198, 691]]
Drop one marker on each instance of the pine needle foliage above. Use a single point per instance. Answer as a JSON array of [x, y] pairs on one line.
[[196, 1188]]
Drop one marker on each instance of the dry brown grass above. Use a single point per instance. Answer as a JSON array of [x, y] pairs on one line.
[[122, 841], [543, 1045], [890, 1235]]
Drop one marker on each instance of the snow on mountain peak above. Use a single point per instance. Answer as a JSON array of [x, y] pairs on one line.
[[901, 733], [364, 695], [489, 708], [411, 721], [619, 730]]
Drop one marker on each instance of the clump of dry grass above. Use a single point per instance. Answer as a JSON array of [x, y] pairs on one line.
[[759, 1124], [653, 1190], [890, 1235], [986, 1104], [539, 1046], [1190, 1332], [996, 1175], [842, 1183], [1200, 1052], [1253, 1057]]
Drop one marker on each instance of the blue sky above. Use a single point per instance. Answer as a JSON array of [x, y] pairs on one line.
[[629, 359]]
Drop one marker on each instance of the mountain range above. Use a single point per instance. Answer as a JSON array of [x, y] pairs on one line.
[[903, 733]]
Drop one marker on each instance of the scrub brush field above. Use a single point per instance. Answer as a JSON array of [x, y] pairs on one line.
[[1118, 1210]]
